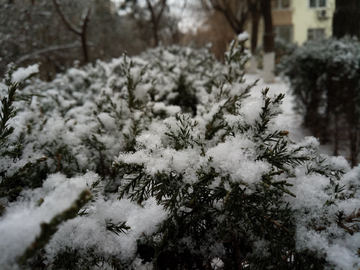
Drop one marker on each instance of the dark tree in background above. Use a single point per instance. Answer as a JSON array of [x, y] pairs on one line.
[[153, 19], [269, 48], [268, 26], [79, 31], [255, 10], [324, 76], [57, 33], [235, 12], [346, 18], [346, 21], [156, 14], [238, 13]]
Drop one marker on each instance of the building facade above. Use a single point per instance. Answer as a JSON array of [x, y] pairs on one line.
[[297, 21]]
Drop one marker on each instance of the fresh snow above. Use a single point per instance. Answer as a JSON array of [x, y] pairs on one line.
[[21, 222], [22, 73], [243, 36], [85, 111], [289, 120]]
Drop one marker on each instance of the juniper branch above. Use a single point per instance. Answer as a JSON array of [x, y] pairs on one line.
[[49, 229]]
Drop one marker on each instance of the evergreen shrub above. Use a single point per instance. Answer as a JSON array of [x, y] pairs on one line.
[[165, 161], [324, 77]]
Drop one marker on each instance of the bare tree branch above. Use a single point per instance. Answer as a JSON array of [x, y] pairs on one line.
[[155, 18], [80, 32], [235, 12], [65, 20], [46, 50]]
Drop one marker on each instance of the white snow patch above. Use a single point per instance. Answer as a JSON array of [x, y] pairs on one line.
[[21, 223], [22, 73], [243, 36]]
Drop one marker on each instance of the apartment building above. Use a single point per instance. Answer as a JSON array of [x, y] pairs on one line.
[[297, 21]]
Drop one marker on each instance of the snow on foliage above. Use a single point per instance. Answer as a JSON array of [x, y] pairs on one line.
[[243, 36], [23, 73], [324, 77], [22, 219], [185, 170]]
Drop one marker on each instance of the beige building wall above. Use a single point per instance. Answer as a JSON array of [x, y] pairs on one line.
[[301, 17], [297, 23], [304, 17]]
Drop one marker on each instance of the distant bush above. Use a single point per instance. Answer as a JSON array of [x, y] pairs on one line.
[[281, 47], [164, 161], [324, 77]]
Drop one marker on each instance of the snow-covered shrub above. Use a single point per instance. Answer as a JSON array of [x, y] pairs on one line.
[[324, 77], [252, 198], [282, 48], [15, 171], [85, 117], [133, 177], [186, 76]]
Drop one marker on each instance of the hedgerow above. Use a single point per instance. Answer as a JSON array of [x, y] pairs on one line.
[[165, 161]]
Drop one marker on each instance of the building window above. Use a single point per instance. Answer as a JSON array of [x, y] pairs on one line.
[[280, 4], [317, 3], [316, 34], [284, 32], [322, 3]]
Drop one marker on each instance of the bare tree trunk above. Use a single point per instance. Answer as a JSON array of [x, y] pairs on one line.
[[336, 135], [354, 145], [84, 49], [353, 126], [236, 18], [269, 54], [83, 35], [268, 26], [255, 17], [80, 32], [155, 19], [155, 33]]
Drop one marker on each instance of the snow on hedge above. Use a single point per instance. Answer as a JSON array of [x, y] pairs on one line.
[[181, 168]]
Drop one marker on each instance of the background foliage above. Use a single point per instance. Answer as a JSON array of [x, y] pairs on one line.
[[324, 79]]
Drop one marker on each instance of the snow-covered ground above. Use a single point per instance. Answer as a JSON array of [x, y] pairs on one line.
[[289, 119]]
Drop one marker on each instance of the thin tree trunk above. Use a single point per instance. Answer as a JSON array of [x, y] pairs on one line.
[[354, 146], [155, 33], [255, 15], [235, 18], [80, 32], [336, 135], [255, 18], [268, 26], [155, 19], [84, 48], [269, 54]]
